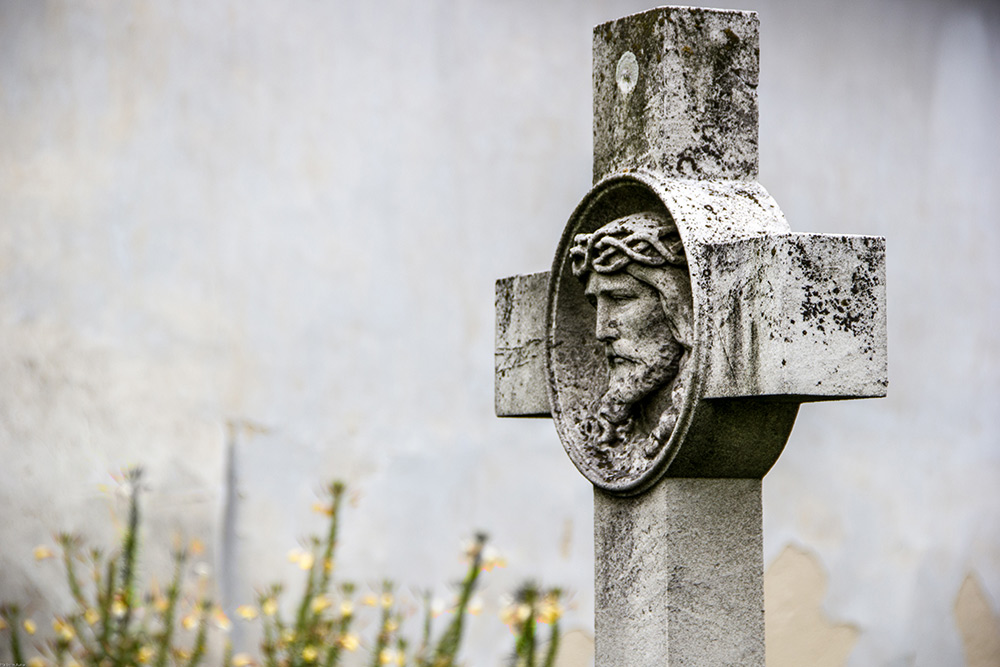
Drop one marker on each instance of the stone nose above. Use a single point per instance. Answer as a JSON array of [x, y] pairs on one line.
[[607, 325]]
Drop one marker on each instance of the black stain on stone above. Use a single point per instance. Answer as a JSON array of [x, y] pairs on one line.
[[823, 304]]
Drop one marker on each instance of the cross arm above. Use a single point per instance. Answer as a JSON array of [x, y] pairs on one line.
[[799, 317], [520, 379]]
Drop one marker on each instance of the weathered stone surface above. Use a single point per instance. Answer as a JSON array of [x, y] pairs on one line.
[[679, 575], [520, 387], [778, 318], [705, 440], [799, 316], [675, 90], [684, 325]]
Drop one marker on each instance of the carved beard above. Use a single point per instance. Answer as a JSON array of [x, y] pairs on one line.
[[621, 406]]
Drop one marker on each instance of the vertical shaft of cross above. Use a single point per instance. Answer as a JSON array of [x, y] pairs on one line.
[[679, 568], [679, 575]]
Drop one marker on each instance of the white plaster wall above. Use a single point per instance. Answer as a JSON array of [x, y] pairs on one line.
[[252, 247]]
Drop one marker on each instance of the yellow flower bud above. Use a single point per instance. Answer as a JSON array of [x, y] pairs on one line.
[[550, 614], [309, 654], [91, 616], [36, 662], [42, 552], [349, 642], [386, 600], [197, 547], [63, 629], [242, 660], [270, 607], [492, 559], [551, 610], [323, 508], [346, 608], [29, 626], [515, 614], [472, 548], [246, 611], [319, 603], [221, 620], [145, 654]]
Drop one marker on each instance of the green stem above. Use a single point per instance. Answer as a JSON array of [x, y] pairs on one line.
[[130, 548], [550, 657], [12, 615], [168, 619], [451, 639], [105, 600], [425, 641], [384, 636], [336, 495], [334, 650], [198, 652], [68, 544]]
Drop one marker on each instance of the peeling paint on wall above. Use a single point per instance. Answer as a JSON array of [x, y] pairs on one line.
[[576, 649], [979, 624], [798, 631]]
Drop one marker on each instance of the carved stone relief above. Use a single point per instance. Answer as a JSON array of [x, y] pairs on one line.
[[685, 323], [634, 273], [626, 319], [621, 340]]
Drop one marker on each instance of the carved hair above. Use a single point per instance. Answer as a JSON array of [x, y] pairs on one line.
[[648, 238]]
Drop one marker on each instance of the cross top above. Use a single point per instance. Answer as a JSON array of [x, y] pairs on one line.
[[675, 92]]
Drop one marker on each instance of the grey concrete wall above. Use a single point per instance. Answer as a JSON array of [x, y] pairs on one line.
[[252, 247]]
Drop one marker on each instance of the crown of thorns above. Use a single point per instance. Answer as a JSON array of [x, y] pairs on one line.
[[646, 238]]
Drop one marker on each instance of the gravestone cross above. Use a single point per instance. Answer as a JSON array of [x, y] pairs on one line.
[[680, 327]]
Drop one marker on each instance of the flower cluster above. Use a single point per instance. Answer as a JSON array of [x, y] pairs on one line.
[[114, 624], [522, 614]]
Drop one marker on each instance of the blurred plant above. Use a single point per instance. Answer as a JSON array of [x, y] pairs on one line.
[[112, 625], [529, 607]]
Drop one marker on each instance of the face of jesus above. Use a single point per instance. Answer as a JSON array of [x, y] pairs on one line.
[[643, 354]]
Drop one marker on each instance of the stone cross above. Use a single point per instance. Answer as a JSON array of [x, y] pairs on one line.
[[680, 327]]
